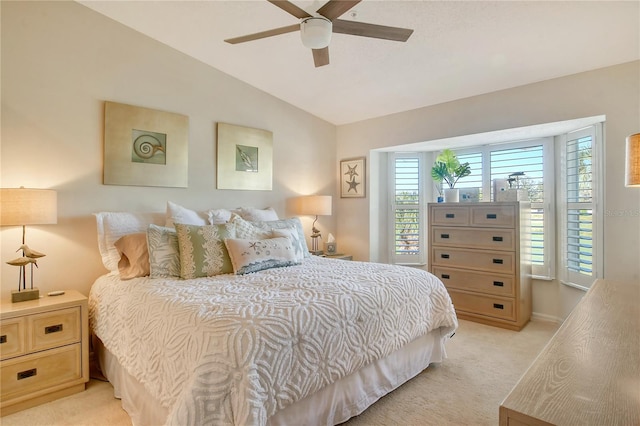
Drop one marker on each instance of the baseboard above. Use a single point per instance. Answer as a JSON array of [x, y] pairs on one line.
[[544, 317]]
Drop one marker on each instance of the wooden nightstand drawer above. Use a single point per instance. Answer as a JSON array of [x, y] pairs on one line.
[[12, 338], [52, 329], [480, 260], [494, 239], [500, 285], [37, 372], [496, 307]]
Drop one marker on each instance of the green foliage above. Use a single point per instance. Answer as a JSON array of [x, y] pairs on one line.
[[448, 169]]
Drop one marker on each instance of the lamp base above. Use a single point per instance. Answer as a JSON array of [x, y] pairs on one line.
[[24, 295]]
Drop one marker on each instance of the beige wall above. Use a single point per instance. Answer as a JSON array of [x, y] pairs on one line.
[[613, 91], [60, 62]]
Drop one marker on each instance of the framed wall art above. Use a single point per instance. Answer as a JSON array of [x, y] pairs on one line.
[[145, 147], [245, 158], [353, 178]]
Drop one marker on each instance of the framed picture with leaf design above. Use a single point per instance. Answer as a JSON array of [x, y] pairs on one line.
[[353, 178]]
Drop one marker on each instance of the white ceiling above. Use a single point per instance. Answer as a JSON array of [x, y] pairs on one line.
[[458, 49]]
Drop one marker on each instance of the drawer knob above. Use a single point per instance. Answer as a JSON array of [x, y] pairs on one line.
[[444, 236], [498, 261], [498, 283], [445, 276], [492, 216], [3, 339], [27, 373], [498, 305], [53, 329], [497, 238], [444, 256], [450, 215]]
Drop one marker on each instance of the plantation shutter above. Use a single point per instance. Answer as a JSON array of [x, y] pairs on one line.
[[407, 209]]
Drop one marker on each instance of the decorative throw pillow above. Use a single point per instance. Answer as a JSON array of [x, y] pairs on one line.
[[219, 216], [134, 256], [202, 249], [257, 215], [164, 256], [256, 255], [179, 214], [261, 230], [292, 235]]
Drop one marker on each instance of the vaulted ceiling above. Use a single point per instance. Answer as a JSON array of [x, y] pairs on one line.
[[458, 49]]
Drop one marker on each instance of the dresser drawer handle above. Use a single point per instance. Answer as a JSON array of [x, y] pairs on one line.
[[27, 373], [444, 256], [445, 276], [498, 305], [53, 329], [498, 261], [3, 338], [498, 283], [492, 216], [497, 238], [444, 236], [450, 215]]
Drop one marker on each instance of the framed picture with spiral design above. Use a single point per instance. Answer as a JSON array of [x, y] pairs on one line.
[[145, 147]]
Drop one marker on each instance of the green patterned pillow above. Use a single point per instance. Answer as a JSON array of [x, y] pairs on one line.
[[164, 259], [202, 249]]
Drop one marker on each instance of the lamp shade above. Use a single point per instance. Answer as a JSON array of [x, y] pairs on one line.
[[25, 206], [316, 32], [318, 205], [632, 169]]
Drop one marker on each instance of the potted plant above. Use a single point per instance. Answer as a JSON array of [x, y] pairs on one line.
[[447, 168]]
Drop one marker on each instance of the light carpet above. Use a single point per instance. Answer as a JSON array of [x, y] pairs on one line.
[[483, 364]]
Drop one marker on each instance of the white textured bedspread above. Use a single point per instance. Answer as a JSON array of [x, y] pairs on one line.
[[236, 349]]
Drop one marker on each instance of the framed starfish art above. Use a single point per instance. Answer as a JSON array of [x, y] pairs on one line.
[[353, 178]]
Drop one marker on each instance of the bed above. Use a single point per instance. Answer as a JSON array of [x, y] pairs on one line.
[[305, 341]]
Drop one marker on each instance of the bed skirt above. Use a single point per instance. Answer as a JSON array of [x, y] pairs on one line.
[[332, 405]]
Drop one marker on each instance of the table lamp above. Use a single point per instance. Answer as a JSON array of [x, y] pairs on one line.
[[22, 207], [315, 205]]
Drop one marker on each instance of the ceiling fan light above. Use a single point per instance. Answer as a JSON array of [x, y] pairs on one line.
[[316, 32]]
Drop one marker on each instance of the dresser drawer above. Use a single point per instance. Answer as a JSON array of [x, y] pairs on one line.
[[494, 215], [480, 260], [500, 285], [495, 239], [450, 215], [30, 374], [497, 307], [12, 341], [54, 328]]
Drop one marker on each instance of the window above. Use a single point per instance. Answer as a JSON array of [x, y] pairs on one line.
[[491, 162], [580, 242], [407, 209]]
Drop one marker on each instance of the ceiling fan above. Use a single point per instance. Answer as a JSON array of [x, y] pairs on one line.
[[315, 31]]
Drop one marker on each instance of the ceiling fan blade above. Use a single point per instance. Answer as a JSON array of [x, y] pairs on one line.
[[290, 8], [371, 30], [335, 8], [321, 57], [264, 34]]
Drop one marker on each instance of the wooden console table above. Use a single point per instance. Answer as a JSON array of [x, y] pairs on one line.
[[589, 372]]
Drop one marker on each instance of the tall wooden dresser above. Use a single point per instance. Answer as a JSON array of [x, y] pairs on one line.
[[481, 252]]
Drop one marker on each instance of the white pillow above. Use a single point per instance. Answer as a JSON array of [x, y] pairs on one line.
[[219, 216], [256, 255], [257, 215], [114, 225], [178, 214]]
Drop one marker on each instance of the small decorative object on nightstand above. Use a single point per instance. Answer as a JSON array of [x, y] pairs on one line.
[[44, 350], [21, 207]]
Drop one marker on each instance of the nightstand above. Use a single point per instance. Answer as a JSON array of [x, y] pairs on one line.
[[340, 256], [44, 350]]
